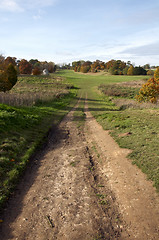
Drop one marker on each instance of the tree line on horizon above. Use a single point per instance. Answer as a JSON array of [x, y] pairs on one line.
[[10, 67], [33, 66], [114, 67]]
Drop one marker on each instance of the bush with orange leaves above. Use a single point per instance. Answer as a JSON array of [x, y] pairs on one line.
[[36, 71], [150, 90]]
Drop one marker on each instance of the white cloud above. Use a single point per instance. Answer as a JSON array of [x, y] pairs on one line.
[[146, 50], [4, 20], [11, 6], [38, 15], [19, 6], [39, 3], [64, 53]]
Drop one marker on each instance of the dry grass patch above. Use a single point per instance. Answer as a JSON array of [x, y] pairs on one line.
[[31, 90]]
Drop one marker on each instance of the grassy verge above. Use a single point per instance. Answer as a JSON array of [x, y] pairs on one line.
[[136, 129], [118, 91], [24, 128], [133, 128]]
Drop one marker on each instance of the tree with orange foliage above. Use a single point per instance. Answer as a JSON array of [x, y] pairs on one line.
[[25, 67], [150, 90], [86, 66], [156, 74], [110, 64], [9, 60], [36, 71]]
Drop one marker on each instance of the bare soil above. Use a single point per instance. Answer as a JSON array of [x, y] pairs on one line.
[[81, 186]]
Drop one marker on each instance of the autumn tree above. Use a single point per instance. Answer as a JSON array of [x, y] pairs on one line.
[[117, 67], [9, 60], [130, 70], [85, 67], [25, 67], [156, 74], [36, 71], [102, 65], [150, 90], [33, 62], [76, 65], [125, 70], [109, 64], [44, 65], [2, 58], [51, 67], [146, 66], [97, 65], [150, 72]]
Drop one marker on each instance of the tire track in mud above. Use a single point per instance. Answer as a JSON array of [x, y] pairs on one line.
[[62, 195]]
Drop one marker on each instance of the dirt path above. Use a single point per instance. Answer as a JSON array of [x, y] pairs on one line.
[[137, 199], [72, 192]]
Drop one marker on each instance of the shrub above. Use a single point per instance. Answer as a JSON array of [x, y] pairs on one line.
[[150, 90], [150, 72], [139, 71], [156, 74], [5, 85], [36, 71], [8, 78], [118, 91], [11, 74]]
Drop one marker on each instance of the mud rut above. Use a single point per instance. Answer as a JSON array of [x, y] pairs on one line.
[[81, 186]]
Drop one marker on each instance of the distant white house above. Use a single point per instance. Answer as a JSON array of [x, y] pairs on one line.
[[45, 72]]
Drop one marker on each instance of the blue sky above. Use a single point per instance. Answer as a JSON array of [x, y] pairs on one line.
[[68, 30]]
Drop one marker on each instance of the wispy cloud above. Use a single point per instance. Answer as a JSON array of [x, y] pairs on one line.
[[19, 6], [146, 50], [4, 20], [11, 6], [38, 15], [38, 3], [64, 53]]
